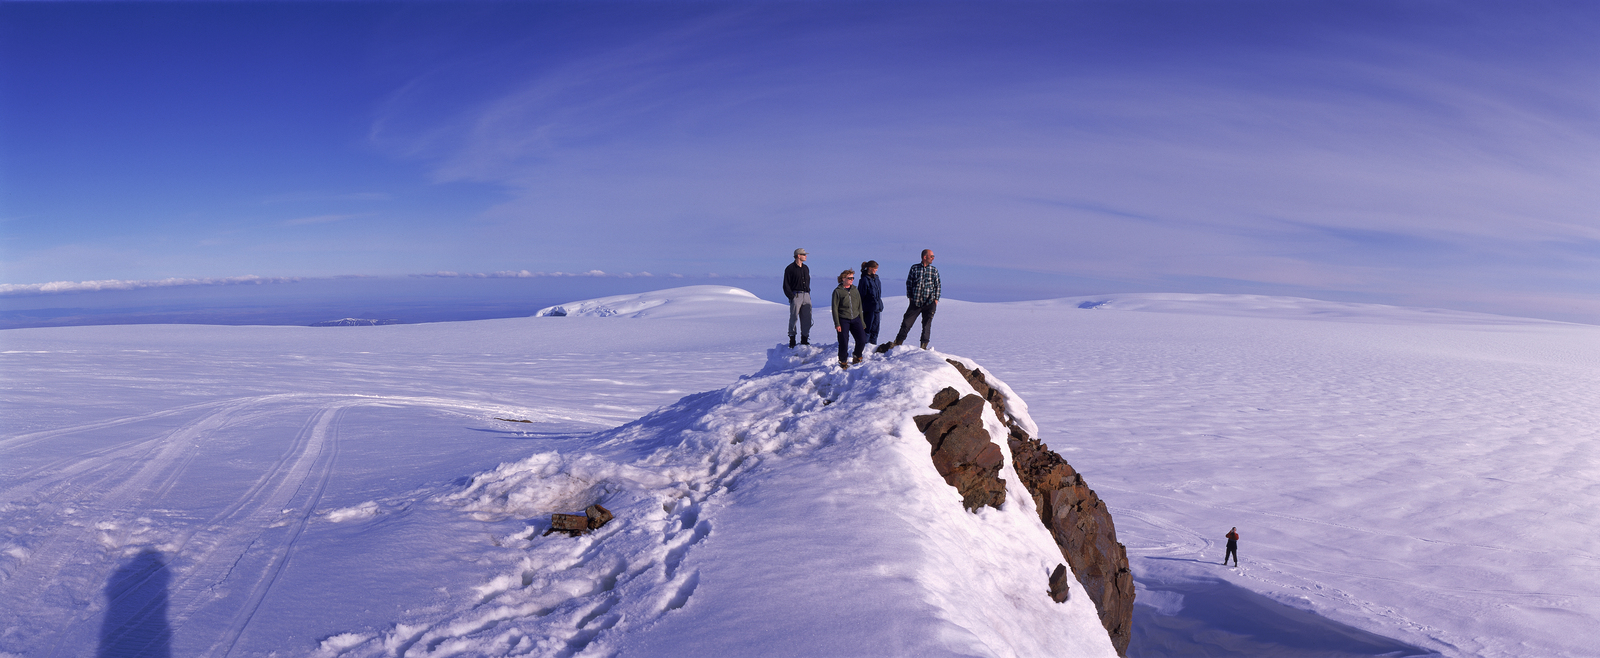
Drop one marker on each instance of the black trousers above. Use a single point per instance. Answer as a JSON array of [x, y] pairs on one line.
[[869, 319], [847, 329], [1233, 551], [911, 318]]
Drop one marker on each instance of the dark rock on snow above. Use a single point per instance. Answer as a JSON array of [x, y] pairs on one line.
[[962, 451], [1073, 513], [575, 525], [1061, 584], [1082, 527]]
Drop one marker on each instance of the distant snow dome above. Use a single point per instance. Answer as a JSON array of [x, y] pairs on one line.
[[688, 301]]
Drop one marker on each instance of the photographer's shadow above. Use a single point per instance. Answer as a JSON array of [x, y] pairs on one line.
[[136, 609]]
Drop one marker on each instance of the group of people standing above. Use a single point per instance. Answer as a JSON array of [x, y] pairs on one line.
[[856, 308]]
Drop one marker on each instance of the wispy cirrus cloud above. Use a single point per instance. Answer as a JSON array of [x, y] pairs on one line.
[[1311, 147], [1439, 154]]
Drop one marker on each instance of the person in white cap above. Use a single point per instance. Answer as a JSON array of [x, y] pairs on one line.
[[797, 287]]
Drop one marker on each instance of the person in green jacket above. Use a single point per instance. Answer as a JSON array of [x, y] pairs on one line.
[[847, 317]]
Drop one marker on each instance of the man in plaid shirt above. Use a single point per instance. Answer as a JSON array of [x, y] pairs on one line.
[[922, 288]]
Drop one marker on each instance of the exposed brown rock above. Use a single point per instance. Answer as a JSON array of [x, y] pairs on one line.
[[579, 524], [598, 516], [1082, 527], [1076, 517], [1060, 584], [990, 394], [945, 398], [962, 451], [572, 524]]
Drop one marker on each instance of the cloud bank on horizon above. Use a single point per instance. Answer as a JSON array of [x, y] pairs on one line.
[[59, 287], [1425, 154]]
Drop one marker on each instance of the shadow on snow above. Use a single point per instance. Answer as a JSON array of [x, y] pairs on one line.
[[136, 609], [1218, 618]]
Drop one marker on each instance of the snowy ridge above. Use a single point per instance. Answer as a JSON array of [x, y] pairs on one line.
[[795, 512], [673, 302]]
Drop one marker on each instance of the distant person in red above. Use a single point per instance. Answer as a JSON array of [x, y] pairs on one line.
[[1233, 547]]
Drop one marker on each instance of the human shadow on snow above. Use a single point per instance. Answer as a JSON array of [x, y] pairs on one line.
[[1217, 618], [136, 609]]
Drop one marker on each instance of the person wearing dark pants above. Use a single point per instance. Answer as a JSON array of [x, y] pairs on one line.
[[871, 299], [847, 317], [797, 287], [922, 288], [1233, 547]]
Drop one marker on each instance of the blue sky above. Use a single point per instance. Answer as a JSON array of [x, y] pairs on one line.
[[1422, 153]]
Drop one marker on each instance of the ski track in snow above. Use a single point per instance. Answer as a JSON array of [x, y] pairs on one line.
[[1427, 478], [101, 497], [82, 496]]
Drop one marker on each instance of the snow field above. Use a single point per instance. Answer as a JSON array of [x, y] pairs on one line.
[[205, 447], [1429, 477], [1405, 481]]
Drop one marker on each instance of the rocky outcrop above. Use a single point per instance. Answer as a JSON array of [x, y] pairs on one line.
[[1083, 529], [962, 451], [1076, 517]]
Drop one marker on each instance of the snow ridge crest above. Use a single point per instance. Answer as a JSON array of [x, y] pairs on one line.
[[798, 502]]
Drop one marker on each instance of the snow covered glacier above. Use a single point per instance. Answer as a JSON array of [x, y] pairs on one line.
[[1407, 482]]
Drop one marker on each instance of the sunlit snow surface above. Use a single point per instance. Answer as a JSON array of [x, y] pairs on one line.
[[1404, 481]]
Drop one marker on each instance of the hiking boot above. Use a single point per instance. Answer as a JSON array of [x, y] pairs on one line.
[[924, 346], [805, 340], [855, 360], [791, 342], [844, 366]]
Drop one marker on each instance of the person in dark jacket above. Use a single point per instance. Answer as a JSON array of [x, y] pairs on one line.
[[847, 317], [797, 287], [922, 288], [871, 299], [1233, 547]]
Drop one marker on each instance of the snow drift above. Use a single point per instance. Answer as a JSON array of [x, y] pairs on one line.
[[795, 512]]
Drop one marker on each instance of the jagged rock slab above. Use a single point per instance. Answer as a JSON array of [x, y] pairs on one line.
[[962, 452], [1075, 516]]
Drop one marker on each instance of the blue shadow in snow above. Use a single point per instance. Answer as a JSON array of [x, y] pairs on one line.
[[1216, 618], [136, 610]]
